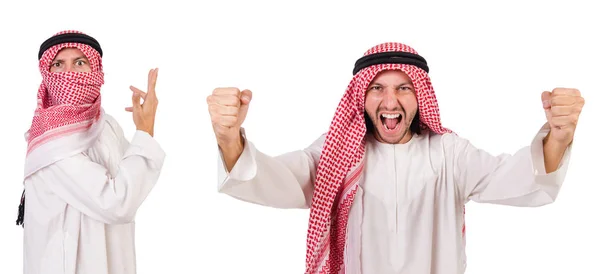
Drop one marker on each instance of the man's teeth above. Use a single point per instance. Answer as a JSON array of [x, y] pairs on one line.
[[390, 116]]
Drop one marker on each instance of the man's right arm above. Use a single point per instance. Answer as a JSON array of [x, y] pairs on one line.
[[284, 181]]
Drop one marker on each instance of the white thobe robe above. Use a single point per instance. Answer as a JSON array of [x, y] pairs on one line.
[[407, 216], [79, 211]]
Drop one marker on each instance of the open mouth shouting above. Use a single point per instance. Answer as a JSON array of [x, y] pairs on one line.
[[391, 122]]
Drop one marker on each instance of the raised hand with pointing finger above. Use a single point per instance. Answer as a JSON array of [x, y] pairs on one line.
[[144, 113]]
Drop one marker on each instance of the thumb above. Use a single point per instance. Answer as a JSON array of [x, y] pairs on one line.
[[245, 98], [546, 99], [546, 95]]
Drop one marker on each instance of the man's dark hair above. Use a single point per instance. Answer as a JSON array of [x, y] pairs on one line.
[[415, 125]]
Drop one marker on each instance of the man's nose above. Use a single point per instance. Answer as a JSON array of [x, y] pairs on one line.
[[68, 68], [390, 100]]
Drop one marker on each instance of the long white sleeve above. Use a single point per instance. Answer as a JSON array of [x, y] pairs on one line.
[[284, 181], [517, 180], [89, 187]]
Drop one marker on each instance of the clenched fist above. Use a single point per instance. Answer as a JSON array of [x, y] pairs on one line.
[[562, 106], [228, 108]]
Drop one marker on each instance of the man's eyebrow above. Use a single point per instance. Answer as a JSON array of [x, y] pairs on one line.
[[81, 57]]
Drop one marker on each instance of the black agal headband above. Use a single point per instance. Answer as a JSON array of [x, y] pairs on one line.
[[69, 38], [390, 58]]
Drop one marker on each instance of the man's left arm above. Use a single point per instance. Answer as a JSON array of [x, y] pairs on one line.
[[532, 176]]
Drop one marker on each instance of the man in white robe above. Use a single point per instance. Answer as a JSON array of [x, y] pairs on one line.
[[84, 181], [387, 185]]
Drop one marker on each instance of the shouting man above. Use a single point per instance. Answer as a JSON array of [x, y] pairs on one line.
[[387, 184], [83, 180]]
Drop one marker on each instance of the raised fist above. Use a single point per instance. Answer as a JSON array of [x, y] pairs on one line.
[[228, 108], [562, 107]]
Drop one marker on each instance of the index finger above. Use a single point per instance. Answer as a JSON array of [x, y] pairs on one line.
[[566, 91], [227, 91], [152, 75]]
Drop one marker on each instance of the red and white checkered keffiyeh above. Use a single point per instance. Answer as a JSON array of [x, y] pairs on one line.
[[341, 163], [68, 105]]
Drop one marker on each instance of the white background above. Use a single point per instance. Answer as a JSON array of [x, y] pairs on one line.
[[489, 64]]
